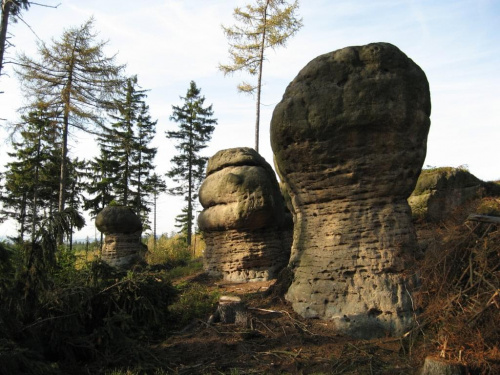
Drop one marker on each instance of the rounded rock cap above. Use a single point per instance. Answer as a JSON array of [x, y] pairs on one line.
[[118, 219]]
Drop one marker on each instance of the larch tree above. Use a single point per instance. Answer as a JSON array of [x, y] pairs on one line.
[[263, 25], [76, 80], [196, 126]]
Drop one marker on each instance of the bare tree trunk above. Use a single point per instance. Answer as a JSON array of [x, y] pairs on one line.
[[154, 221], [6, 5], [190, 207], [259, 81], [190, 183], [34, 218], [64, 148], [23, 219], [64, 165]]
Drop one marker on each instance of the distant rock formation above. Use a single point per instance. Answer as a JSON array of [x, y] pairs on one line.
[[440, 191], [122, 228], [349, 139], [243, 217]]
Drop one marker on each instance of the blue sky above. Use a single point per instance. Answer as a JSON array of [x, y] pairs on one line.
[[168, 43]]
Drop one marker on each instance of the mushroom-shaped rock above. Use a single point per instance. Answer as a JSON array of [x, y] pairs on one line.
[[243, 217], [122, 229], [349, 140]]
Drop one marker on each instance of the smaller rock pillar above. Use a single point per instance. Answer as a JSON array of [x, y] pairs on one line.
[[243, 217], [122, 242]]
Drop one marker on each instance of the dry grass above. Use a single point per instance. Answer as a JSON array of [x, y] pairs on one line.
[[173, 250], [460, 293]]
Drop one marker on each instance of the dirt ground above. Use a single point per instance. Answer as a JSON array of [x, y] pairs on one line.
[[277, 341]]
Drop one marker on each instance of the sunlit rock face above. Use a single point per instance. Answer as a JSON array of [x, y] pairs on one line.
[[243, 219], [349, 140], [122, 228]]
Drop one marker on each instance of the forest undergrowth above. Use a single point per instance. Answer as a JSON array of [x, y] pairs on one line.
[[82, 317]]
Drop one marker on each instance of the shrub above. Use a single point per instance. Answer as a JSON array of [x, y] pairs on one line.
[[169, 251], [92, 313], [99, 310]]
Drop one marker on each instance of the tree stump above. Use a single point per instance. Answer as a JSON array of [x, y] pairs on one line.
[[231, 311], [439, 366]]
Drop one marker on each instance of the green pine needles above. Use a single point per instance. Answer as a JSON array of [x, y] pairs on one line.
[[196, 126]]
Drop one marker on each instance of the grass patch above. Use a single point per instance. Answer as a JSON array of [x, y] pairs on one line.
[[167, 251], [191, 267], [195, 301]]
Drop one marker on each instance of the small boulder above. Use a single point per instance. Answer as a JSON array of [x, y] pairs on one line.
[[440, 191]]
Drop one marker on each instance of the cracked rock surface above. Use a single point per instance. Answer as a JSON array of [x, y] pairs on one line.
[[243, 219], [349, 140]]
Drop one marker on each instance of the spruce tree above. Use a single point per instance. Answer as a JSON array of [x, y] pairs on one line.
[[76, 188], [128, 145], [196, 126], [30, 180], [143, 163], [267, 24], [123, 139], [100, 177], [155, 187]]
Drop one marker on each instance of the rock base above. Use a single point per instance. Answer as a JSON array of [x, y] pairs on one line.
[[122, 250], [245, 256]]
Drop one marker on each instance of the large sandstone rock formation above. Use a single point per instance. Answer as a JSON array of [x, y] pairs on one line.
[[349, 139], [440, 191], [243, 217], [122, 242]]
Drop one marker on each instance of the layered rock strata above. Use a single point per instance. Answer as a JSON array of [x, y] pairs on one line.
[[122, 230], [349, 139], [243, 220]]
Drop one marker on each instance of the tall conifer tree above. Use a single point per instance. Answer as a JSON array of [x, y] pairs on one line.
[[123, 138], [30, 179], [155, 187], [196, 126], [266, 24], [76, 80], [143, 167]]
